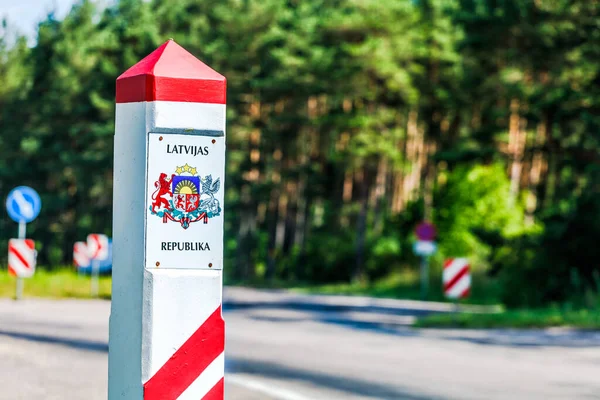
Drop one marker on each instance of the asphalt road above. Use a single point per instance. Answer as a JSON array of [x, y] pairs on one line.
[[290, 347]]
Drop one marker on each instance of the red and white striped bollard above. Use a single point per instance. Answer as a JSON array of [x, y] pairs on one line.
[[166, 330], [457, 278]]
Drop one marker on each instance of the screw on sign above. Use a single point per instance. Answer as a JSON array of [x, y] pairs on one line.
[[167, 334], [457, 278], [81, 257], [21, 257]]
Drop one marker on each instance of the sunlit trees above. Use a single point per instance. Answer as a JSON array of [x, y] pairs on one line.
[[348, 122]]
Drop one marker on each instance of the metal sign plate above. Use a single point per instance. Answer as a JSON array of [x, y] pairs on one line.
[[23, 204], [424, 248], [97, 246], [425, 231], [184, 201]]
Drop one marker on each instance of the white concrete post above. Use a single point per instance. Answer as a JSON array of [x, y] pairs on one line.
[[166, 329]]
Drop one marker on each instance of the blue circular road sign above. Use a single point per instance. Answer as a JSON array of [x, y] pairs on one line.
[[23, 204]]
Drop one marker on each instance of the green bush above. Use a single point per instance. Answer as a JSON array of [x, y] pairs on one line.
[[330, 256], [561, 263], [475, 200]]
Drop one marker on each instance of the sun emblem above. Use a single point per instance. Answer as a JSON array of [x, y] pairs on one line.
[[191, 197], [185, 187]]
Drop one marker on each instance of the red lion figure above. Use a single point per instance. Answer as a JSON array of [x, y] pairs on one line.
[[162, 186], [180, 202]]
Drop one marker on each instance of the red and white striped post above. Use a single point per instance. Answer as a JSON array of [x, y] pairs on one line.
[[97, 246], [166, 330], [21, 258], [456, 278], [81, 257]]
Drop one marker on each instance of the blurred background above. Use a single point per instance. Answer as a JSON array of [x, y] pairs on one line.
[[349, 122]]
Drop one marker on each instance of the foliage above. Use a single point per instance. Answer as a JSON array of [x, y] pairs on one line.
[[520, 319], [475, 201], [348, 123], [560, 263], [403, 283]]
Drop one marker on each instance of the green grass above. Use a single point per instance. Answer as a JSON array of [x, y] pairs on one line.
[[400, 285], [520, 319], [405, 284], [61, 283]]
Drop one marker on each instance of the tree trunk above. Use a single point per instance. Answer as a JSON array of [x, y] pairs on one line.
[[430, 172], [516, 147], [272, 218], [273, 214], [244, 239], [378, 195], [281, 221], [413, 147], [348, 190], [302, 211], [536, 170], [292, 194], [397, 201], [361, 227], [302, 230]]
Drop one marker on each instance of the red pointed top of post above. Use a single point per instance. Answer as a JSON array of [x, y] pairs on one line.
[[171, 73]]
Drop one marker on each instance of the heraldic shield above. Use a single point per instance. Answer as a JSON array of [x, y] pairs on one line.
[[186, 192], [185, 197]]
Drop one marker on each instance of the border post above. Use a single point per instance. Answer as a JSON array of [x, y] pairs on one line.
[[166, 336]]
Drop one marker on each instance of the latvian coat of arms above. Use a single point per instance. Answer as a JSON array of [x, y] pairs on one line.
[[185, 197]]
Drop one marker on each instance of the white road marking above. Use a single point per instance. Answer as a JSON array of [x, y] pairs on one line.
[[252, 384]]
